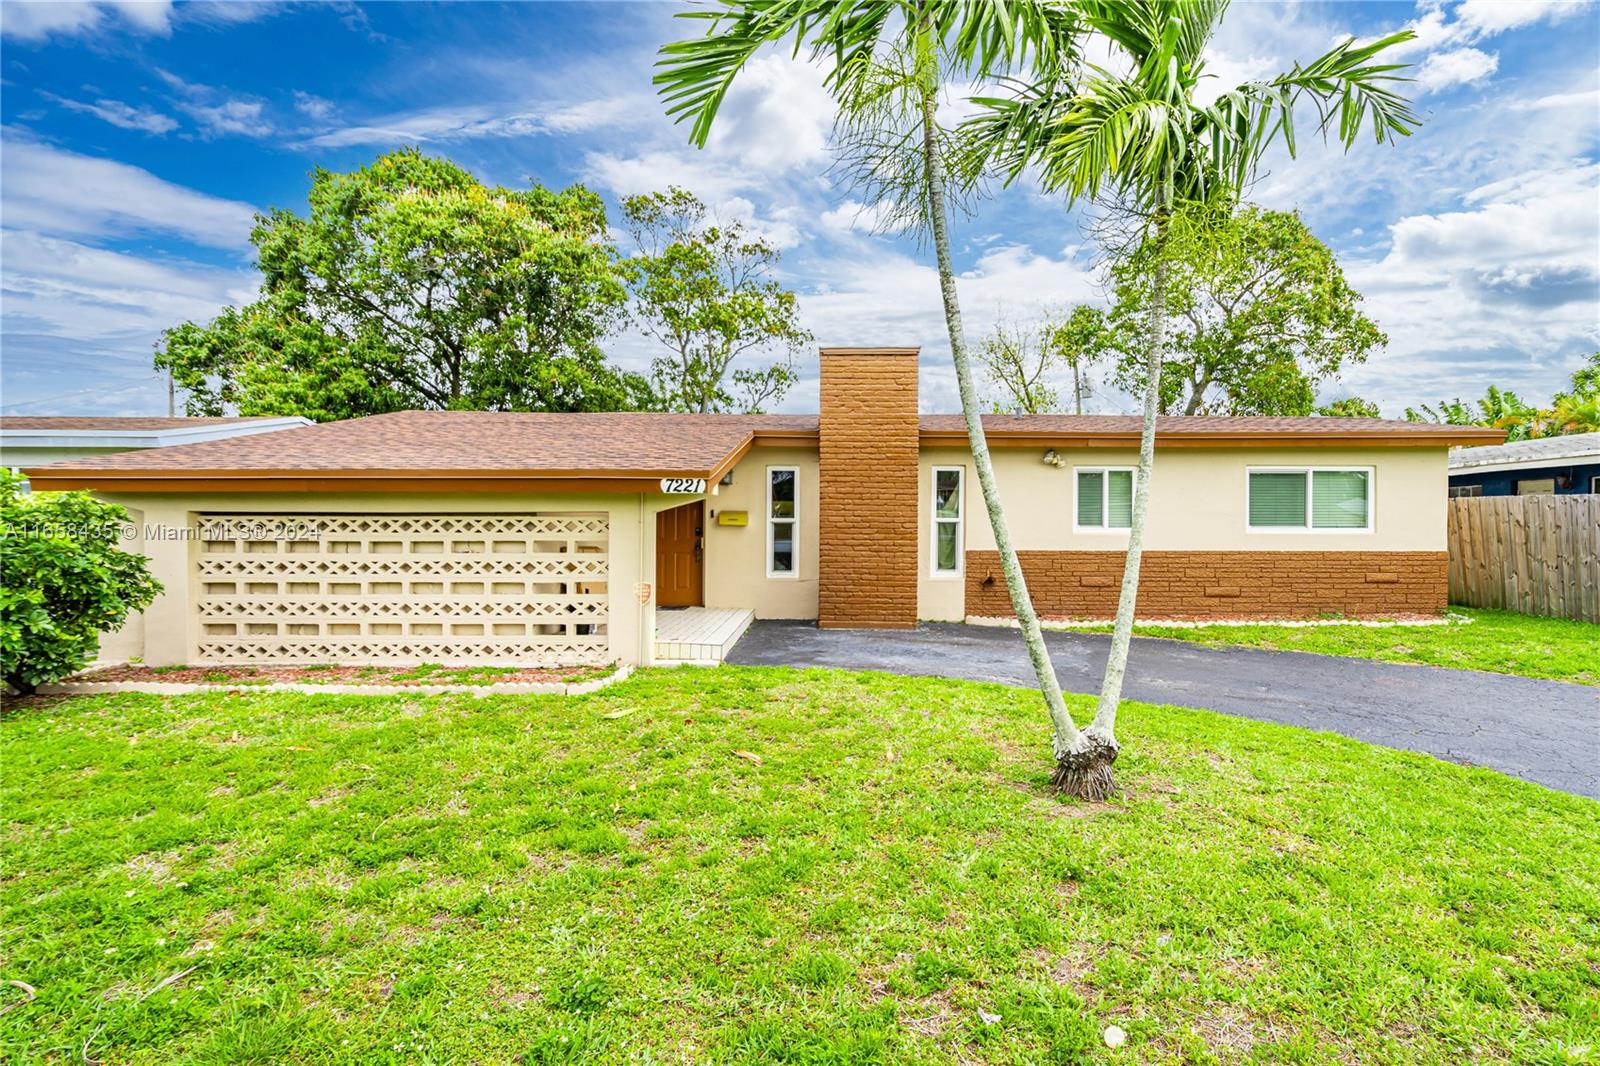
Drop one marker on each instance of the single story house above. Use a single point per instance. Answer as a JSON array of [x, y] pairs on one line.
[[1549, 465], [34, 440], [484, 537]]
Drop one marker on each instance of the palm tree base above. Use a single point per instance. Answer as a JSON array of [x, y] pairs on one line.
[[1086, 774]]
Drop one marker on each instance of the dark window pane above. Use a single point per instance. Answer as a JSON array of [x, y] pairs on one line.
[[947, 493], [783, 494], [783, 547]]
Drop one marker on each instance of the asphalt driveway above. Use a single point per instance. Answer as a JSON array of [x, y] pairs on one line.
[[1543, 731]]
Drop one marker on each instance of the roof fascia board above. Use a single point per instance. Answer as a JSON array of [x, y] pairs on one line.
[[190, 483]]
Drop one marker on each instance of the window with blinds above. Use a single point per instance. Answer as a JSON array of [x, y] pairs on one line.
[[1105, 498], [1311, 499]]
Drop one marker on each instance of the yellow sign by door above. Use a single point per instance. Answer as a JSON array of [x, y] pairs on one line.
[[733, 518]]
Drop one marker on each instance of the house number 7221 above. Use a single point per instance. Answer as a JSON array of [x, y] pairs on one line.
[[683, 485]]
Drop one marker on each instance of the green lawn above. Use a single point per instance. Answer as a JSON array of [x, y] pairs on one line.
[[769, 866], [1497, 641]]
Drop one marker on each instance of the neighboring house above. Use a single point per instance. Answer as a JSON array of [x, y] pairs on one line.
[[37, 440], [512, 538], [1560, 465]]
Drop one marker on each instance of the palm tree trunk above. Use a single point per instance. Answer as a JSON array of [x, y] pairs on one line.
[[1067, 737], [1105, 715]]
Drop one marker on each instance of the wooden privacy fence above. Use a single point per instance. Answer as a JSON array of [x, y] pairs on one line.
[[1531, 554]]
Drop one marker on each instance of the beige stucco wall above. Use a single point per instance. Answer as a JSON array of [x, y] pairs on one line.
[[170, 627], [736, 556], [1198, 500]]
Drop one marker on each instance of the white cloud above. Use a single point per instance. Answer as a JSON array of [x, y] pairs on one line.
[[240, 117], [1484, 18], [28, 20], [38, 20], [883, 296], [655, 170], [1459, 66], [853, 217], [80, 323], [1511, 275], [313, 106], [58, 192], [119, 114], [215, 111], [474, 121], [69, 289], [777, 116]]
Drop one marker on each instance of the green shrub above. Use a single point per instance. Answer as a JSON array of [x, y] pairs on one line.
[[64, 581]]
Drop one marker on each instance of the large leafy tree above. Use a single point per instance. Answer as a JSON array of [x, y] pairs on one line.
[[705, 290], [410, 283], [1137, 134], [1261, 313], [887, 63]]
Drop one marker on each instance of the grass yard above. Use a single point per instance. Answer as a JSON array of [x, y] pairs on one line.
[[1556, 649], [764, 865]]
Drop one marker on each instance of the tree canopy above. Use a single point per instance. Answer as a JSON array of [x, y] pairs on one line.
[[411, 284], [704, 289], [1349, 407], [1023, 359], [1260, 313]]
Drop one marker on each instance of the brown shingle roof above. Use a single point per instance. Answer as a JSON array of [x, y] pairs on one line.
[[477, 442], [114, 423], [490, 445]]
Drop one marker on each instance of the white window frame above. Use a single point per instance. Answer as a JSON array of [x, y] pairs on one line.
[[1105, 498], [1308, 471], [959, 521], [1594, 484], [793, 573]]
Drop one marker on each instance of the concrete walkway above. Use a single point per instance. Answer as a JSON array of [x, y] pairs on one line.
[[1543, 731]]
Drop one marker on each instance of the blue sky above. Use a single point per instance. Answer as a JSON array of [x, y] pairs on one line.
[[139, 138]]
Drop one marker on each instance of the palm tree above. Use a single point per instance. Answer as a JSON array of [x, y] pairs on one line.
[[888, 59], [1141, 137]]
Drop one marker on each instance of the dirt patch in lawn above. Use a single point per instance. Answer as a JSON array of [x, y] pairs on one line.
[[426, 674]]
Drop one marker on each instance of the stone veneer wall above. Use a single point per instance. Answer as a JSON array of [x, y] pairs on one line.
[[868, 483], [1217, 584]]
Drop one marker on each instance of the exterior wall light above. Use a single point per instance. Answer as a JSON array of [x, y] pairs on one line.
[[1051, 458]]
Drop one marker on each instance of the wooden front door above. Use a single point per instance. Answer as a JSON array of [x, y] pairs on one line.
[[680, 556]]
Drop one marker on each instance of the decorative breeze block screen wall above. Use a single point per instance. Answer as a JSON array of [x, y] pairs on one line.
[[498, 589]]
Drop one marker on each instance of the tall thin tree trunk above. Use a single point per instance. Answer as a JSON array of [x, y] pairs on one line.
[[1105, 715], [1077, 389], [1067, 737]]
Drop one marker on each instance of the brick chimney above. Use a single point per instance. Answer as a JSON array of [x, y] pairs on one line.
[[868, 456]]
